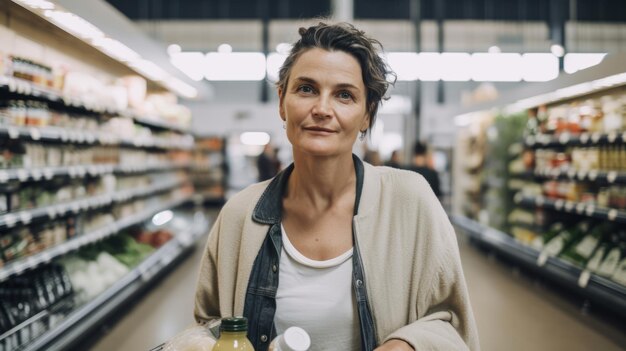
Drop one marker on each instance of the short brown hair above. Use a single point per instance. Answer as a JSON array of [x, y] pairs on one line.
[[344, 37]]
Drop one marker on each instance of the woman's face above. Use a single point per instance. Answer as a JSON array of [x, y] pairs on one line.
[[324, 103]]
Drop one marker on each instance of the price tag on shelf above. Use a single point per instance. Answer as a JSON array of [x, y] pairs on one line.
[[564, 138], [35, 134], [558, 204], [593, 174], [539, 201], [10, 220], [612, 137], [611, 176], [590, 210], [48, 173], [80, 137], [612, 215], [64, 135], [13, 133], [51, 212], [595, 137], [26, 217], [61, 209], [36, 174], [22, 175], [584, 138], [4, 176], [580, 208], [569, 206]]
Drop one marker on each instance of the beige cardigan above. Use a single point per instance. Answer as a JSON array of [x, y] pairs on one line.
[[411, 262]]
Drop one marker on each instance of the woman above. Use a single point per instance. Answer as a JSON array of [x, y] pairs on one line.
[[361, 257]]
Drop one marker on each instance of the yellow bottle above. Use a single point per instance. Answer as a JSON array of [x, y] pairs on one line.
[[233, 337]]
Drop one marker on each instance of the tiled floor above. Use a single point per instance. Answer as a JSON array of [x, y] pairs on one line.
[[513, 312]]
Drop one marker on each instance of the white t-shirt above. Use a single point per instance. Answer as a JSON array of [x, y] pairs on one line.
[[317, 296]]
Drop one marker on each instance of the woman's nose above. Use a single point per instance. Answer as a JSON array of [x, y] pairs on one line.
[[322, 107]]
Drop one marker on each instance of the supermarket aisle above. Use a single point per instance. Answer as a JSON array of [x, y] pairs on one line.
[[513, 313], [160, 314]]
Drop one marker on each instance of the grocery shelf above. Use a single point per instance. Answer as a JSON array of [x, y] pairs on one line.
[[596, 288], [75, 243], [64, 135], [78, 324], [573, 174], [25, 217], [579, 208], [566, 139], [28, 89], [80, 171]]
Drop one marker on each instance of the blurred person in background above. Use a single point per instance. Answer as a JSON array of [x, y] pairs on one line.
[[423, 165], [361, 257], [395, 161], [267, 163]]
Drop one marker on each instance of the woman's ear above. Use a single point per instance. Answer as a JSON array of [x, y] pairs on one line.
[[366, 122], [281, 109]]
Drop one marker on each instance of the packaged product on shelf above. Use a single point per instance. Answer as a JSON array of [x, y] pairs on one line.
[[615, 252], [563, 240], [580, 253]]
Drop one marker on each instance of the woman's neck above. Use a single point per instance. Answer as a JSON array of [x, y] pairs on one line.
[[321, 181]]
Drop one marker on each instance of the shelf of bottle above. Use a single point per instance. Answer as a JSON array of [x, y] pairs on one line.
[[30, 262], [25, 217], [63, 135], [84, 319], [579, 208], [594, 175], [81, 171], [28, 89], [597, 288], [567, 139]]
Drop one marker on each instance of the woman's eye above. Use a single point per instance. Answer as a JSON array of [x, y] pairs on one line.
[[305, 89], [345, 95]]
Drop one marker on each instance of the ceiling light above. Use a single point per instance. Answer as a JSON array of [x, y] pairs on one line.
[[235, 66], [496, 67], [192, 64], [455, 66], [254, 138], [174, 49], [557, 50], [224, 48], [404, 64], [576, 62], [274, 62], [539, 67]]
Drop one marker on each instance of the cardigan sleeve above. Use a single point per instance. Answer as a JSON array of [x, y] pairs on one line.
[[448, 323], [206, 309]]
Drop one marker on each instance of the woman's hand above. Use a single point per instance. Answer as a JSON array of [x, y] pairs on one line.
[[395, 345]]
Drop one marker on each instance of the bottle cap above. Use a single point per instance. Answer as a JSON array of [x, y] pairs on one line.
[[295, 339], [233, 324]]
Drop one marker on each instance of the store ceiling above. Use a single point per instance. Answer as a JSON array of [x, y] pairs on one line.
[[506, 10]]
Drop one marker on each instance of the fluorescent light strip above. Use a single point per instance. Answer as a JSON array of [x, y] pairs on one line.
[[254, 138], [234, 66]]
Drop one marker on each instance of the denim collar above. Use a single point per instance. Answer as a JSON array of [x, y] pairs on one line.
[[270, 206]]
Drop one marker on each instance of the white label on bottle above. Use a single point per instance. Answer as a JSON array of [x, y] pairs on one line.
[[612, 215], [620, 272], [13, 133], [4, 176], [595, 137], [590, 210], [10, 220], [558, 204], [586, 246], [580, 208], [26, 217], [593, 174], [611, 176], [608, 266], [582, 175], [594, 262], [584, 138], [569, 206], [583, 280], [564, 138], [542, 259], [555, 246], [612, 137], [22, 175]]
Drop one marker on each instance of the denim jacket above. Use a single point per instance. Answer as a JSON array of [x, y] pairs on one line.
[[260, 300]]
